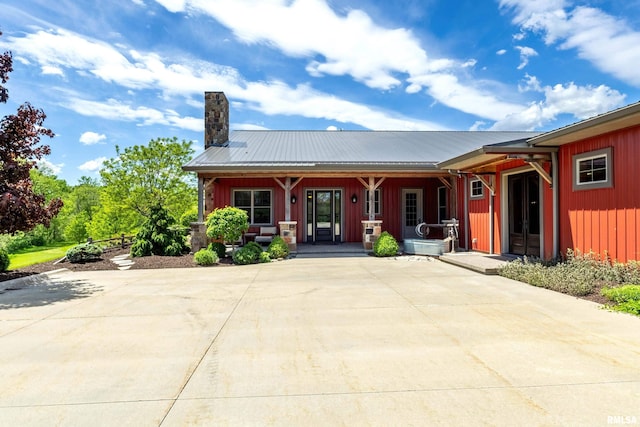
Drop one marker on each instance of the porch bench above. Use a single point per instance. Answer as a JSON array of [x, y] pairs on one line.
[[266, 235]]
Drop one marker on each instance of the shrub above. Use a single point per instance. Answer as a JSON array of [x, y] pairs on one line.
[[385, 245], [188, 217], [158, 237], [245, 255], [206, 257], [278, 248], [219, 248], [83, 253], [4, 260], [17, 242], [254, 247], [626, 298], [227, 224], [264, 257], [577, 275]]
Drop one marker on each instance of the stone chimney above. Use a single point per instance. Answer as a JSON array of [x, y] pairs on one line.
[[216, 120]]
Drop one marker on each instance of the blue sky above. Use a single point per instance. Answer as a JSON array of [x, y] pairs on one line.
[[123, 72]]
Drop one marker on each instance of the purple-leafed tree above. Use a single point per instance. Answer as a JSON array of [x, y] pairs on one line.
[[20, 208]]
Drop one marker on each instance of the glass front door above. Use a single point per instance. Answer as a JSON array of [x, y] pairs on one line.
[[411, 212], [324, 212], [524, 214]]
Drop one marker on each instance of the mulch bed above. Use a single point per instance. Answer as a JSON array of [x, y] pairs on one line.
[[149, 262]]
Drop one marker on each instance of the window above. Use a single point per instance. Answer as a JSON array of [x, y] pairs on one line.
[[592, 170], [442, 204], [257, 204], [377, 204], [477, 189]]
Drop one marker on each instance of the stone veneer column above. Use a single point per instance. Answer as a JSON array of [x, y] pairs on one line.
[[216, 119]]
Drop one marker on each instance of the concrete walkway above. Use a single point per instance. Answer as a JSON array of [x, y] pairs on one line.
[[324, 341]]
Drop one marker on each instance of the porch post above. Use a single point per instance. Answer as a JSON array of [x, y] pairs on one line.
[[287, 187], [200, 200], [372, 198], [492, 195], [287, 199], [556, 223]]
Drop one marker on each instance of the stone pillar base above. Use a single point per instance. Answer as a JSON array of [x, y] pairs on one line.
[[199, 237], [288, 232], [371, 230]]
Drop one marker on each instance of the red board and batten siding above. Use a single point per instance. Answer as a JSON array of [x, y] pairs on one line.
[[353, 213], [603, 220], [479, 225]]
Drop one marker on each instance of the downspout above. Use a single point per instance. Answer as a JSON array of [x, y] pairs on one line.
[[491, 221], [556, 207], [466, 212]]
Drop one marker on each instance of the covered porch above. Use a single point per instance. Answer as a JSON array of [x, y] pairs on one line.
[[330, 206]]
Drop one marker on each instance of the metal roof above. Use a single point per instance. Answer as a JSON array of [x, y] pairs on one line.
[[344, 150], [621, 118]]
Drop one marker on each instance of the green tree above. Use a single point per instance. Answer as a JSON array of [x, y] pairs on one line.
[[157, 236], [228, 224], [141, 177], [80, 207], [47, 184]]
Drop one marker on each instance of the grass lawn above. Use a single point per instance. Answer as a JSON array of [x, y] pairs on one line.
[[37, 255]]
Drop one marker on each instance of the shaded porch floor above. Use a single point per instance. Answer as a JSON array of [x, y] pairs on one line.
[[476, 261]]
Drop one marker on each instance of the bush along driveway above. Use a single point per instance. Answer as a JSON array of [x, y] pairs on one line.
[[614, 284]]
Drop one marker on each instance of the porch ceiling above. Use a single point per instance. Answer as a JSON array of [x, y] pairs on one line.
[[487, 158]]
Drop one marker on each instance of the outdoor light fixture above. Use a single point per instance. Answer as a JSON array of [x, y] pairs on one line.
[[354, 198], [294, 199]]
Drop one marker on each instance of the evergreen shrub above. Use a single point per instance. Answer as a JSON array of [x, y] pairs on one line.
[[206, 257], [278, 248], [385, 245], [84, 253]]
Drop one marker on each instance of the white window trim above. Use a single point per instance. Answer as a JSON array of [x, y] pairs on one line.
[[476, 196], [607, 153], [252, 207]]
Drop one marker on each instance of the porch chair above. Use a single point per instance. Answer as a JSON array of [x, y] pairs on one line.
[[266, 235]]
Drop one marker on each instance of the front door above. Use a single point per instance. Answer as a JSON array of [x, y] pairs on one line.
[[324, 211], [411, 212], [524, 214]]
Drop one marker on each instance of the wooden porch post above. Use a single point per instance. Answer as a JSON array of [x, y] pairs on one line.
[[200, 199], [372, 186], [287, 187], [208, 196]]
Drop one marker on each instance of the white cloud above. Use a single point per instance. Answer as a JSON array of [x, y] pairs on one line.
[[447, 89], [187, 79], [606, 41], [379, 57], [173, 5], [47, 69], [91, 138], [92, 165], [525, 53], [501, 52], [53, 167], [247, 126], [581, 102], [116, 110]]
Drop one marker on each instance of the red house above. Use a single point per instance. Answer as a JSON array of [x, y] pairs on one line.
[[571, 188], [512, 192]]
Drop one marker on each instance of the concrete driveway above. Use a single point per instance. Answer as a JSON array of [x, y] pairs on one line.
[[328, 341]]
